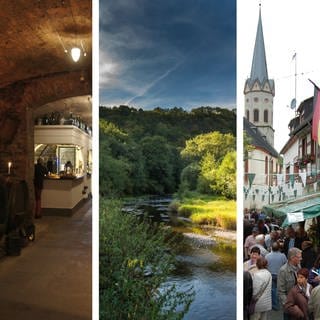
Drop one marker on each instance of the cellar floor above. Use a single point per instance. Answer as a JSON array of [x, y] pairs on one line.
[[51, 279]]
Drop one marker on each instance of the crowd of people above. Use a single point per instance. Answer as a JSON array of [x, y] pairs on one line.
[[281, 271]]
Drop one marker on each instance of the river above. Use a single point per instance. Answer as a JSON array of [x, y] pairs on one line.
[[209, 266]]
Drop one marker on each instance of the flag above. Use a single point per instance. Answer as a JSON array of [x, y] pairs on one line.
[[316, 114]]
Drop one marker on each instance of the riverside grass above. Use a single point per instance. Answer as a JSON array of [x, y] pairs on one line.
[[127, 248], [205, 210]]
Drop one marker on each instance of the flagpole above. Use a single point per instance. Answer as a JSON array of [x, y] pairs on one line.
[[295, 81]]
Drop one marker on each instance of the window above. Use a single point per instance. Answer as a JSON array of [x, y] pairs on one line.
[[256, 99], [265, 116], [266, 169], [256, 115], [248, 115], [304, 147]]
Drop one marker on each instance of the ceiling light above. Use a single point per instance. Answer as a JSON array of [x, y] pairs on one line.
[[75, 54]]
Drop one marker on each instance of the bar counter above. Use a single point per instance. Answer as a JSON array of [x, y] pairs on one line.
[[64, 195]]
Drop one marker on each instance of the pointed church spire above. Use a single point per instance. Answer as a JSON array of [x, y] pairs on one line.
[[259, 64]]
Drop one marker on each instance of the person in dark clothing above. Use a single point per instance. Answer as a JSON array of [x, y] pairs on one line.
[[314, 273], [39, 173], [247, 293], [291, 241], [296, 304], [308, 255], [261, 226]]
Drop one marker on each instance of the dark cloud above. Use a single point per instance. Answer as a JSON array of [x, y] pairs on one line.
[[167, 52]]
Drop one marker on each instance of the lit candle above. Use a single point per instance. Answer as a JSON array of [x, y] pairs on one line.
[[9, 166]]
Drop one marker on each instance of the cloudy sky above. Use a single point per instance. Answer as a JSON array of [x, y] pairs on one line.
[[168, 53], [289, 26]]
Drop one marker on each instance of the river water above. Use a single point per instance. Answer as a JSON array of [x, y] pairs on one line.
[[208, 266]]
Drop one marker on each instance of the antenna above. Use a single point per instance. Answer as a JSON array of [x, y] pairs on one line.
[[295, 80]]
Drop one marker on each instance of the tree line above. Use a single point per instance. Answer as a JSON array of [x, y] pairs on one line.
[[162, 151]]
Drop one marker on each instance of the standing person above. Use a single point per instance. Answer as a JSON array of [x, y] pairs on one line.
[[250, 265], [261, 283], [314, 273], [313, 303], [297, 300], [291, 240], [39, 173], [308, 255], [261, 245], [276, 260], [247, 293], [250, 241], [271, 238], [287, 277]]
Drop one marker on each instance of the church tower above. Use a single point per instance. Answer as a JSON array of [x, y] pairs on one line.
[[259, 90]]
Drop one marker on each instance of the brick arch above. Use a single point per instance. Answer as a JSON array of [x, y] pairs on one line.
[[17, 101]]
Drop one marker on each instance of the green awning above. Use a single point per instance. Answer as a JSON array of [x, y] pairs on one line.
[[281, 209], [308, 213], [310, 206]]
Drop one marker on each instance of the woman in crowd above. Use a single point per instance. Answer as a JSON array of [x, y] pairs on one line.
[[296, 304], [261, 283]]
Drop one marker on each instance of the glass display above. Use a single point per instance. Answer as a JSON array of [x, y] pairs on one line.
[[64, 160]]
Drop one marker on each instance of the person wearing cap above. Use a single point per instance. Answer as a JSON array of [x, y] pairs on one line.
[[287, 275], [250, 241], [296, 304], [250, 265]]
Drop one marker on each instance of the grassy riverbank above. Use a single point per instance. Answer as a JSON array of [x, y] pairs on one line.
[[207, 210], [134, 264]]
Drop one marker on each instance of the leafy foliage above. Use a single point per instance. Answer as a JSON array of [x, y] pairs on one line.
[[127, 250], [214, 153], [165, 150]]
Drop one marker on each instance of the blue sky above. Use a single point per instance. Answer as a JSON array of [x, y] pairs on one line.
[[168, 53]]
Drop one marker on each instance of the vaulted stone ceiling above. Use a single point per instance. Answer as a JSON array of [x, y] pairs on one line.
[[33, 39]]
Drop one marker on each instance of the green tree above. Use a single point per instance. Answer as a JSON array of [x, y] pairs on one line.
[[226, 176], [158, 165], [214, 143], [121, 162], [210, 152]]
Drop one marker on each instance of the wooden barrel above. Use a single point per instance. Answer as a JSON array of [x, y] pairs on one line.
[[3, 208], [18, 203], [20, 227]]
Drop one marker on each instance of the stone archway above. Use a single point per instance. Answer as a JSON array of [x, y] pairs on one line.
[[17, 102]]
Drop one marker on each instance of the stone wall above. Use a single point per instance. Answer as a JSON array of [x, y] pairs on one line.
[[17, 102]]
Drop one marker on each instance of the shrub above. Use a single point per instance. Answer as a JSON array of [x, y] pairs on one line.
[[129, 249]]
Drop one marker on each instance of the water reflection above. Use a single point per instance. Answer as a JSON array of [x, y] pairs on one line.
[[208, 266]]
